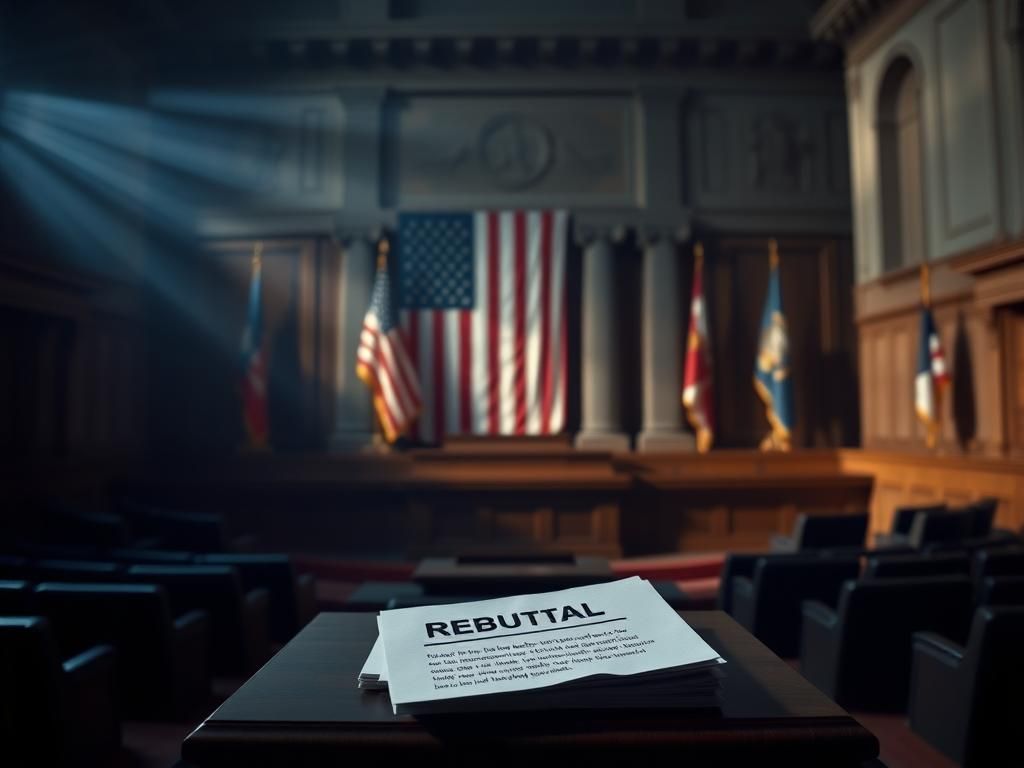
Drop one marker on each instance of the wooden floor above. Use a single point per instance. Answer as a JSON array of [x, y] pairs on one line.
[[901, 747]]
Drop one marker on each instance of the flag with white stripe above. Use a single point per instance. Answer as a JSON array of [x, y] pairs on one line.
[[932, 377], [382, 361], [484, 310]]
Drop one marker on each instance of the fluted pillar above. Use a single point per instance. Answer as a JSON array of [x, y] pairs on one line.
[[662, 351], [353, 416], [601, 427]]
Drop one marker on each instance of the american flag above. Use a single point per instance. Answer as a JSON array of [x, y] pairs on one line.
[[382, 361], [485, 314]]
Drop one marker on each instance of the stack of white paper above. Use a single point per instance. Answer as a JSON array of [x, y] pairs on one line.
[[608, 645]]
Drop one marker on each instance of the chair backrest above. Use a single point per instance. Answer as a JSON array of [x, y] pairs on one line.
[[982, 515], [272, 572], [134, 618], [15, 567], [825, 531], [877, 620], [1006, 561], [92, 571], [903, 517], [91, 528], [916, 566], [213, 588], [188, 531], [992, 664], [33, 712], [130, 555], [16, 598], [780, 587], [741, 564], [1001, 590], [935, 527]]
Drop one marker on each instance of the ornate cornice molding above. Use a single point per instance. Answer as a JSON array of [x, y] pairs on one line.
[[480, 52], [840, 20]]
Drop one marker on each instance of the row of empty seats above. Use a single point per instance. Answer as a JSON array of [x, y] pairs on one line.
[[104, 618], [927, 528], [932, 633]]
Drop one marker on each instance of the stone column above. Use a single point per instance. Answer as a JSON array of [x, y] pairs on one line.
[[662, 351], [353, 415], [599, 369]]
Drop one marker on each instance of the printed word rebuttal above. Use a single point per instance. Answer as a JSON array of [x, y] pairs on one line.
[[537, 618]]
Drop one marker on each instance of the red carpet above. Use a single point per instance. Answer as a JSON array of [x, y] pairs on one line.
[[675, 567], [696, 575]]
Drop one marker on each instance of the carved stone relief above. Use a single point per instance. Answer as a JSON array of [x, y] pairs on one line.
[[779, 153], [750, 153], [489, 151]]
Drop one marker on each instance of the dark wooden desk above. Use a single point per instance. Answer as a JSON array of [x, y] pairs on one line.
[[303, 709]]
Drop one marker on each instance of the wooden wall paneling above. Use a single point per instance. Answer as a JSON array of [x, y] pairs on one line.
[[815, 274], [909, 479], [971, 417], [1011, 322], [328, 258]]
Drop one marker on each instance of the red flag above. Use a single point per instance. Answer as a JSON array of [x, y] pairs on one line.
[[697, 380], [254, 364]]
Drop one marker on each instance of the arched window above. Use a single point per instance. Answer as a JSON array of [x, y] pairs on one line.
[[899, 155]]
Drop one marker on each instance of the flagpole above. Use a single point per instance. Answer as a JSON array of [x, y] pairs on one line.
[[773, 253], [383, 247], [926, 286]]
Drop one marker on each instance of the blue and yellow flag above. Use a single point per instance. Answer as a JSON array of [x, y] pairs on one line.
[[772, 378]]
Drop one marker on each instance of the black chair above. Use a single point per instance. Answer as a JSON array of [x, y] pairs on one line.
[[192, 532], [92, 571], [966, 701], [982, 514], [162, 663], [134, 555], [16, 598], [902, 522], [859, 654], [949, 527], [15, 567], [239, 644], [1002, 590], [739, 564], [89, 529], [292, 595], [53, 712], [768, 603], [917, 566], [815, 532], [1007, 561]]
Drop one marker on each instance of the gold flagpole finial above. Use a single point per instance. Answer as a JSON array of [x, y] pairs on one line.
[[698, 254], [383, 247], [926, 285], [257, 254], [773, 253]]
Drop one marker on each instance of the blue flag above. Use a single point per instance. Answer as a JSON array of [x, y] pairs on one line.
[[772, 378]]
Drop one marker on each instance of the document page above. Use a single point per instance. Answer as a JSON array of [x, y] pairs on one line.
[[532, 641]]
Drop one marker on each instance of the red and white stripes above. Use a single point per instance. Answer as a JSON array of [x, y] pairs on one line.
[[499, 368]]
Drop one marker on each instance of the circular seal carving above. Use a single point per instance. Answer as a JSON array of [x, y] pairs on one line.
[[515, 151]]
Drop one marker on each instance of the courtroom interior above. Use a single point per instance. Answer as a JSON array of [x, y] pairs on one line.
[[317, 309]]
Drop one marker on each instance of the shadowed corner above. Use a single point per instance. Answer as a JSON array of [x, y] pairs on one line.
[[964, 410]]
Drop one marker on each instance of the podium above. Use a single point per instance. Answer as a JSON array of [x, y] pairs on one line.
[[303, 708]]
